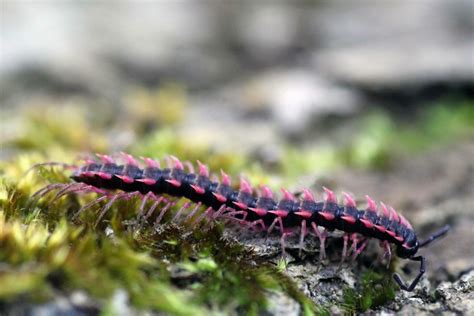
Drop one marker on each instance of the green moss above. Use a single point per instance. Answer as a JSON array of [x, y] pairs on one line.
[[374, 290]]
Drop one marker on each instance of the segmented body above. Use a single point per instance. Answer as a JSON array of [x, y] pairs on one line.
[[246, 205], [262, 208]]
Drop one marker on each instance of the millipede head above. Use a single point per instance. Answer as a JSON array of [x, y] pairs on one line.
[[407, 251]]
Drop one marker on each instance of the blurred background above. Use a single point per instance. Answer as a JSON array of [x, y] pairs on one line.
[[373, 97], [235, 75]]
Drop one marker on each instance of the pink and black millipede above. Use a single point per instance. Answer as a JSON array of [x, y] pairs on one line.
[[256, 209]]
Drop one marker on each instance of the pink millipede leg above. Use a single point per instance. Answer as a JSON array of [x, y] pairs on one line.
[[111, 202], [85, 189], [180, 211], [344, 248], [322, 241], [242, 221], [219, 212], [162, 213], [207, 213], [212, 215], [42, 192], [97, 190], [231, 217], [388, 252], [355, 240], [66, 190], [280, 221], [200, 217], [142, 205], [258, 222], [270, 229], [303, 233], [283, 244], [80, 188], [141, 210], [90, 204], [107, 207], [131, 195], [193, 212], [359, 250], [153, 207], [245, 215], [232, 214]]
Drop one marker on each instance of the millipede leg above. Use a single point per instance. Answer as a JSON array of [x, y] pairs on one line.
[[141, 210], [303, 233], [207, 212], [153, 207], [97, 190], [67, 189], [212, 215], [162, 213], [131, 195], [258, 222], [270, 229], [410, 287], [193, 212], [219, 212], [88, 205], [322, 241], [282, 243], [344, 248], [359, 250], [355, 240], [180, 211], [231, 216], [388, 252], [107, 207], [42, 192]]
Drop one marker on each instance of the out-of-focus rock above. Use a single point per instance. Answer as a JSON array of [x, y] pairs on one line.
[[282, 305], [458, 296], [101, 48], [397, 46], [297, 97], [76, 304]]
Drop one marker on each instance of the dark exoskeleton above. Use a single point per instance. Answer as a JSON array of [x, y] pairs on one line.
[[389, 227]]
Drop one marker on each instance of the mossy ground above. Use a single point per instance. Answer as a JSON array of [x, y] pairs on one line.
[[181, 269]]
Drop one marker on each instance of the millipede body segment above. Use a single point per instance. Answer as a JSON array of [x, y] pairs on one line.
[[261, 208]]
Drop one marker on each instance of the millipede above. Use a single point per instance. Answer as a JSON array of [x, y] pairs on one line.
[[115, 179]]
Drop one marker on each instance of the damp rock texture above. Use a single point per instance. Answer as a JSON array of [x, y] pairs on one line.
[[450, 298]]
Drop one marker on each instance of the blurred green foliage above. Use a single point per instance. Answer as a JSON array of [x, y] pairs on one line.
[[381, 139]]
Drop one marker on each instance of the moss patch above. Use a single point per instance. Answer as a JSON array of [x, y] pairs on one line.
[[374, 290]]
